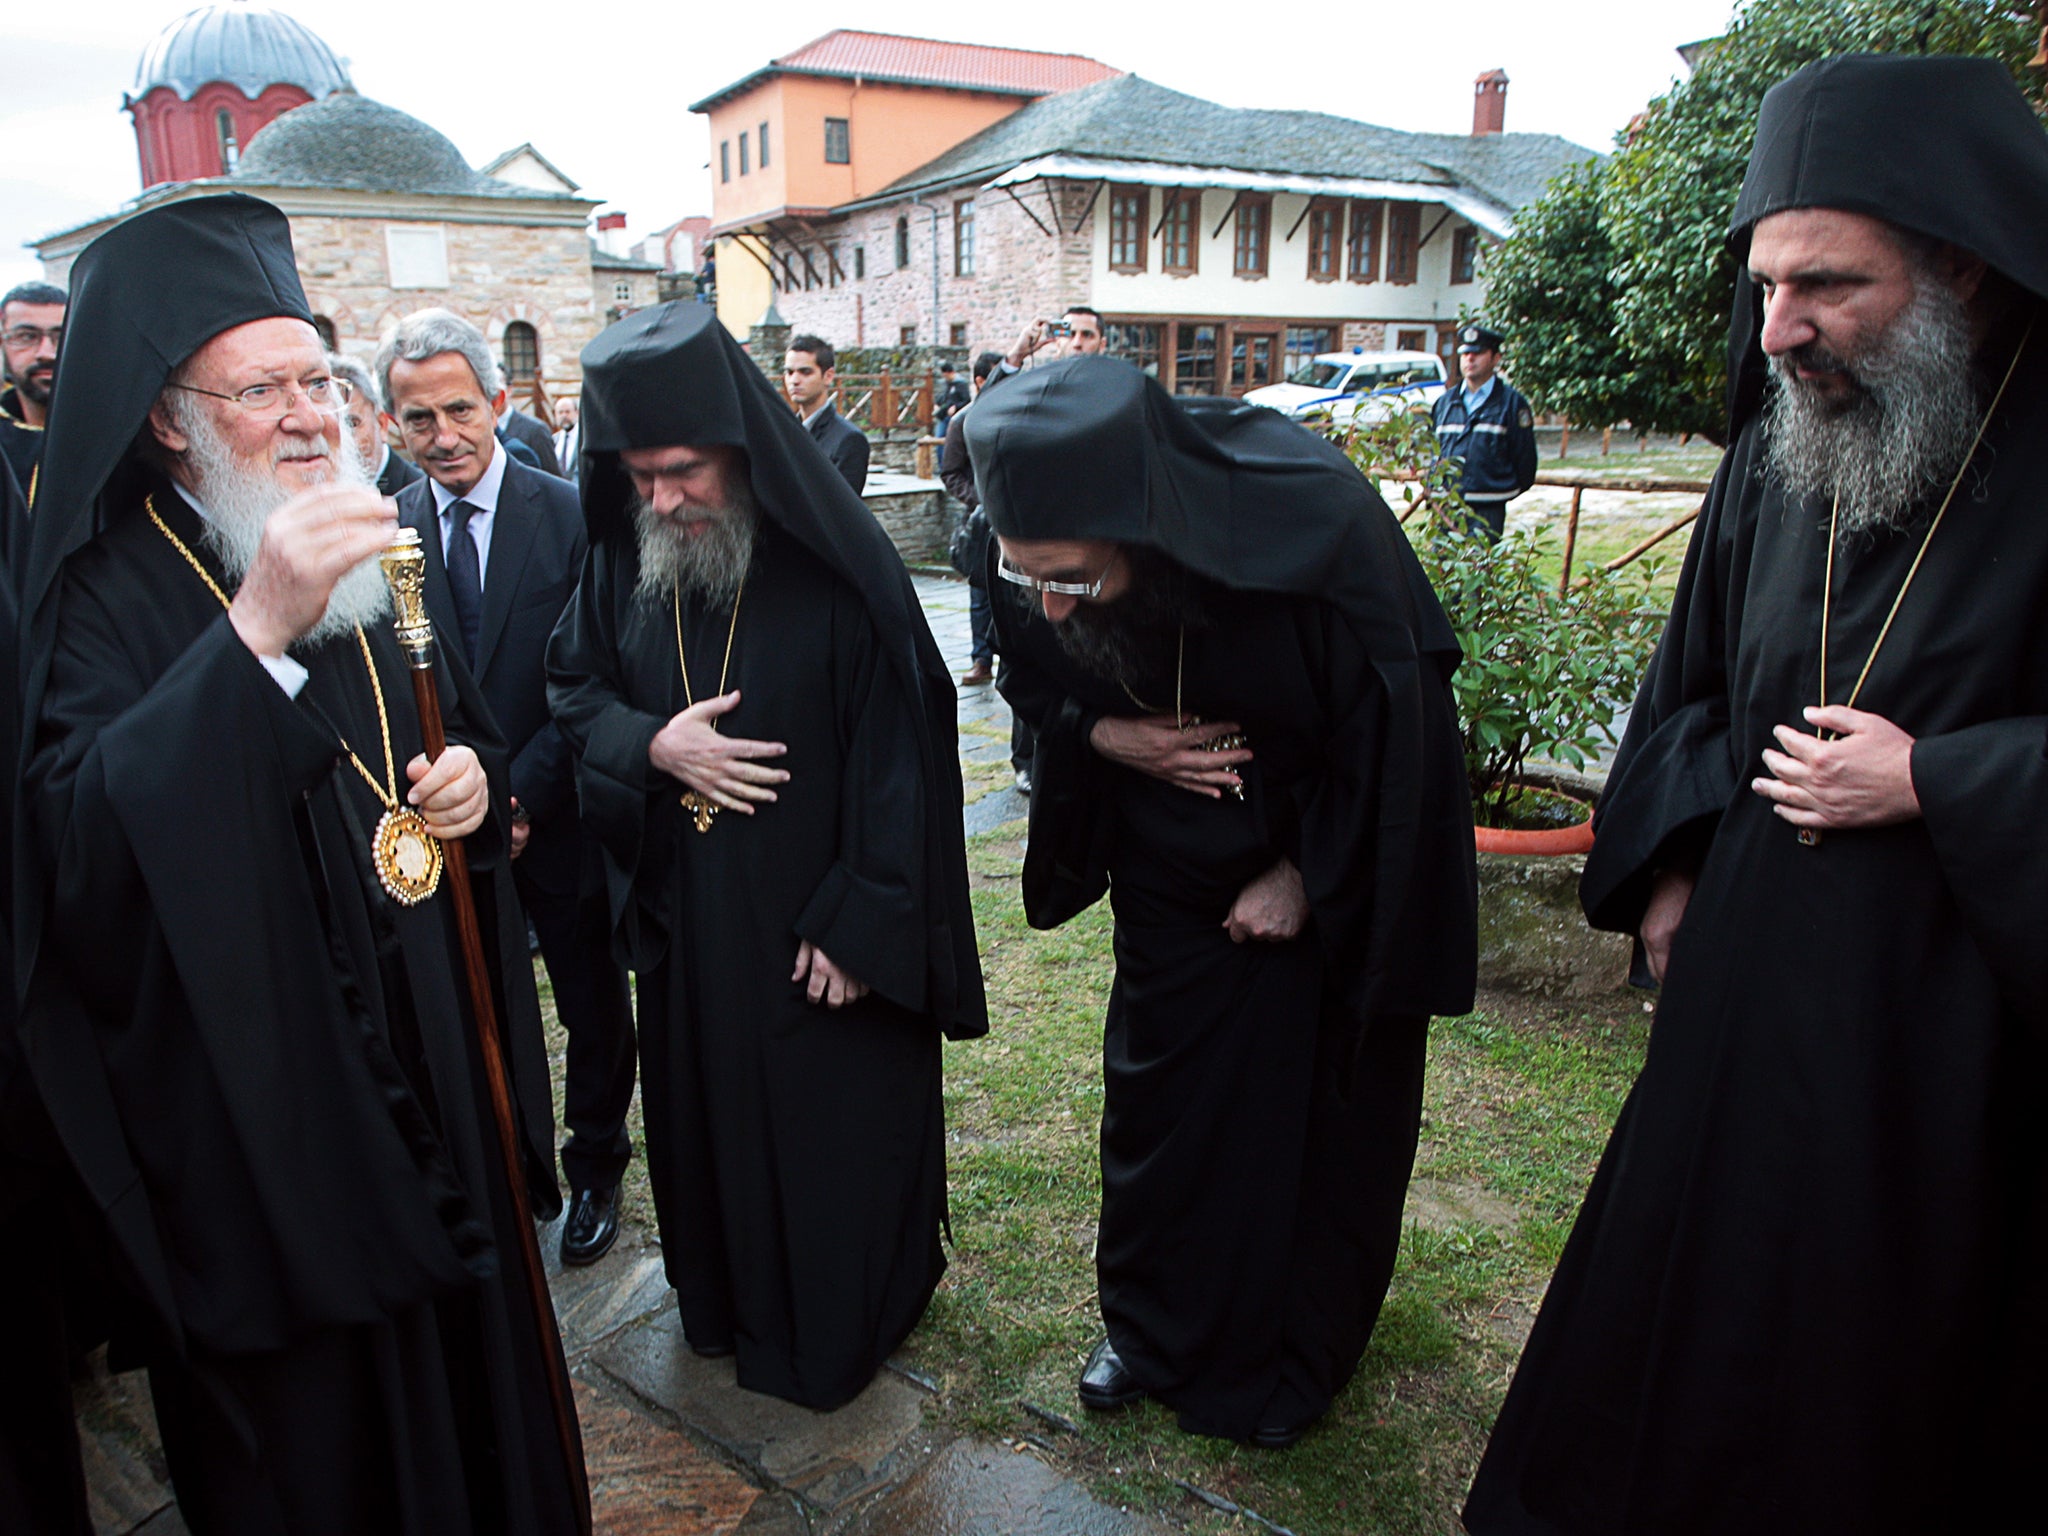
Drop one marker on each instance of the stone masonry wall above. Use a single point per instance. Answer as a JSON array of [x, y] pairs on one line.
[[497, 273], [1022, 273]]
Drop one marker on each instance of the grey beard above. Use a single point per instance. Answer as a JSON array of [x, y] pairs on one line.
[[1134, 640], [1901, 436], [238, 503], [711, 565]]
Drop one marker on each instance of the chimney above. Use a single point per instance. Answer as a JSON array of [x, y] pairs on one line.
[[1489, 103], [611, 233]]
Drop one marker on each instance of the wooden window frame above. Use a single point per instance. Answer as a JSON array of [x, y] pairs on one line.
[[956, 335], [1404, 220], [963, 237], [1136, 224], [845, 141], [1465, 255], [1362, 242], [1254, 210], [1326, 227], [1181, 205], [526, 332]]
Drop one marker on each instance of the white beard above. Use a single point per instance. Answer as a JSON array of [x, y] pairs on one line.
[[713, 565], [238, 502]]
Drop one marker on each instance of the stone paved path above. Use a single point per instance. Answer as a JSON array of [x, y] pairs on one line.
[[673, 1445]]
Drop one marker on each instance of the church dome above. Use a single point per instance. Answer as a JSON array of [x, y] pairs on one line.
[[352, 142], [251, 47]]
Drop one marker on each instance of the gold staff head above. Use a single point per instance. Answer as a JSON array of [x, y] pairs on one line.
[[405, 569]]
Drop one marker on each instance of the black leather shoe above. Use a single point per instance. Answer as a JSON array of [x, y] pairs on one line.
[[717, 1349], [1105, 1383], [1278, 1437], [593, 1225]]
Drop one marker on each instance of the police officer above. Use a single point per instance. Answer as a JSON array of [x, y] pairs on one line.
[[1487, 426]]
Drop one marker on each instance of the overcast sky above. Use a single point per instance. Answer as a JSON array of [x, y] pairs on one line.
[[602, 87]]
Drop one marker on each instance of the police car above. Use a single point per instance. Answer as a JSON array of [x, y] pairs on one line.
[[1357, 386]]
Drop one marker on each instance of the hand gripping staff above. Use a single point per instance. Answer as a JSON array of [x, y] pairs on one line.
[[405, 569]]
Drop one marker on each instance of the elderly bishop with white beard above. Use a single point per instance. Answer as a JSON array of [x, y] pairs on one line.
[[242, 1001], [1806, 1292]]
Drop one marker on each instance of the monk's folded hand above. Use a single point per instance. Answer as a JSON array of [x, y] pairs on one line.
[[451, 793], [724, 769], [1861, 778], [1272, 908], [309, 544], [824, 981], [1155, 744]]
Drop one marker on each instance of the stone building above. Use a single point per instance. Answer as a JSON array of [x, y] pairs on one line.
[[1222, 246], [387, 217]]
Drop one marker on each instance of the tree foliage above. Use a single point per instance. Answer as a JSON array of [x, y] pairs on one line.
[[1631, 252]]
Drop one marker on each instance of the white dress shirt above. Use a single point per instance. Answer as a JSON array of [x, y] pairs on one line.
[[484, 497]]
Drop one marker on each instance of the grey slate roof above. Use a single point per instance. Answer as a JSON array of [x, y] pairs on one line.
[[351, 142], [602, 260], [249, 46], [1130, 118]]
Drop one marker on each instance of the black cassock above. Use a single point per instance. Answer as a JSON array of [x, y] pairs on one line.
[[1806, 1290], [796, 1152], [265, 1072], [1256, 1142]]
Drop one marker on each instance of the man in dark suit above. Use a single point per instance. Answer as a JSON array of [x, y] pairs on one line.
[[365, 419], [504, 546], [809, 375], [518, 427]]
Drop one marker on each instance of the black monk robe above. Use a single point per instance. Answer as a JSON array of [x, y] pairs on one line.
[[1806, 1292], [796, 1152], [268, 1073], [1256, 1144]]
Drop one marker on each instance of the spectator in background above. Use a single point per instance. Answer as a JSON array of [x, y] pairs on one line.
[[568, 440], [529, 431], [809, 375], [364, 418], [31, 330], [972, 562], [1077, 333], [952, 398], [1487, 426]]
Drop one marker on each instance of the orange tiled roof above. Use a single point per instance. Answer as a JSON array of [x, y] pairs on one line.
[[928, 61], [922, 58]]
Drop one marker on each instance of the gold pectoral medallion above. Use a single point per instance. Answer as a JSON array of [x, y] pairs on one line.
[[407, 855], [702, 811]]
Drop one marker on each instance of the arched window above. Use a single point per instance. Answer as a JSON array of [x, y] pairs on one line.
[[224, 129], [325, 327], [522, 353], [902, 242]]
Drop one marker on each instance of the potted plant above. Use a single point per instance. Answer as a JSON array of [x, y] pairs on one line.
[[1546, 671]]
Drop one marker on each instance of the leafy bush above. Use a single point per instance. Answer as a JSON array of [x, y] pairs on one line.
[[1546, 672]]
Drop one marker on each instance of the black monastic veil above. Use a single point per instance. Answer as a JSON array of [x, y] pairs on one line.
[[1805, 1290]]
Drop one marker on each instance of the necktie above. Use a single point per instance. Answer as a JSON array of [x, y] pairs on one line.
[[465, 578]]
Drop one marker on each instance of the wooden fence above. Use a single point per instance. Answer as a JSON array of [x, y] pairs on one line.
[[1578, 486]]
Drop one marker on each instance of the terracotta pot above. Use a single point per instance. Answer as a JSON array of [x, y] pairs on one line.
[[1552, 840]]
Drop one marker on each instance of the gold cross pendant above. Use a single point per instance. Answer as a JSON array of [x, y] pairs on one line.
[[701, 810]]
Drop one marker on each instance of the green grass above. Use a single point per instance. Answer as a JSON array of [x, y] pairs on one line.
[[1517, 1110], [1517, 1107]]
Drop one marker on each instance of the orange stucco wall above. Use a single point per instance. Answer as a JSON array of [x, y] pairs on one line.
[[893, 129]]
